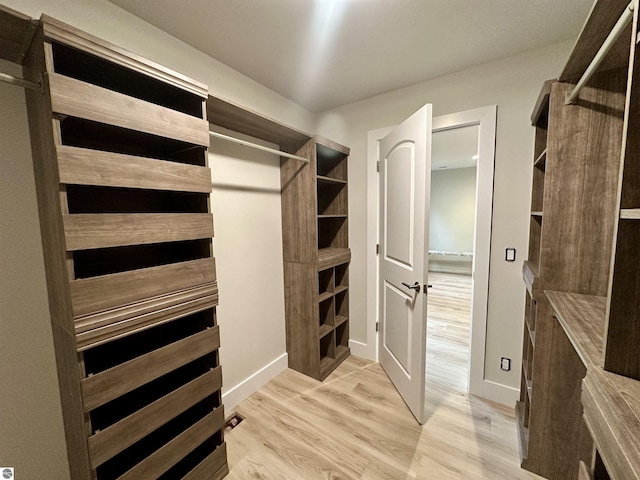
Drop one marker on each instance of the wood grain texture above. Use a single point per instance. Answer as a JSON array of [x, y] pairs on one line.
[[16, 34], [89, 231], [98, 328], [583, 158], [603, 16], [623, 320], [78, 99], [582, 317], [91, 295], [630, 196], [541, 108], [81, 166], [239, 119], [355, 426], [109, 442], [60, 309], [105, 386], [68, 35], [332, 145], [298, 203], [301, 317], [168, 455], [612, 410], [332, 257], [214, 467], [556, 412]]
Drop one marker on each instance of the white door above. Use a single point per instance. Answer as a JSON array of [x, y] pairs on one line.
[[405, 176]]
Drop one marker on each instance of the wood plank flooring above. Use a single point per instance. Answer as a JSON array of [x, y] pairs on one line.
[[355, 426]]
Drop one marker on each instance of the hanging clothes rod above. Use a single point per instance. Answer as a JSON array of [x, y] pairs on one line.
[[20, 82], [618, 28], [258, 147]]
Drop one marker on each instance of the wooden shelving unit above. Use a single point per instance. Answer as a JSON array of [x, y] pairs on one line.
[[120, 150], [315, 237], [316, 255], [578, 413]]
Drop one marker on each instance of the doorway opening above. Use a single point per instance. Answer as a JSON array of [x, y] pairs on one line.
[[454, 156], [484, 121]]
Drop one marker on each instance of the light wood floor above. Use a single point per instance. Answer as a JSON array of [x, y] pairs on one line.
[[355, 426]]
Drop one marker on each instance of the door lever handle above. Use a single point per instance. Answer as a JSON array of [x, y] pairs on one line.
[[415, 286]]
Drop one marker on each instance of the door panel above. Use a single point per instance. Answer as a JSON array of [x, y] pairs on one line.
[[398, 326], [405, 170], [400, 169]]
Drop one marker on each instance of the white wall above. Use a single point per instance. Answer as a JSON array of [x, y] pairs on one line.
[[452, 210], [513, 84], [248, 243], [31, 430]]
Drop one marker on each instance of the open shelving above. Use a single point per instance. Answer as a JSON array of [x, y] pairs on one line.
[[578, 410], [316, 238], [120, 160]]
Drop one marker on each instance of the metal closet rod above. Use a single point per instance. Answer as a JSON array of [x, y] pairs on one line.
[[20, 82], [258, 147], [618, 28]]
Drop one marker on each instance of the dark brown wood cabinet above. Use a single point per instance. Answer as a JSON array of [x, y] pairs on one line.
[[578, 414], [120, 158]]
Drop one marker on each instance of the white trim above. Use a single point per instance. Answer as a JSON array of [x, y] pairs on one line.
[[360, 349], [496, 392], [237, 394], [486, 118], [373, 233]]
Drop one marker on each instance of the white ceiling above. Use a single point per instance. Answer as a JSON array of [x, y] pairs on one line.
[[454, 148], [326, 53]]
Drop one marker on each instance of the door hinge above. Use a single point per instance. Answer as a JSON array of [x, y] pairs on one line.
[[425, 287], [377, 327], [378, 166], [377, 249]]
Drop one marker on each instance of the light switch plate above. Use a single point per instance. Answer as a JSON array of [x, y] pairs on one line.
[[510, 255]]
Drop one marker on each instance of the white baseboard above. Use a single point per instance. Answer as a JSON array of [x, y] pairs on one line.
[[235, 395], [363, 350], [499, 393]]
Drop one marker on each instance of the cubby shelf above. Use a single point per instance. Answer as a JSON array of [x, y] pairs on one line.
[[578, 410], [316, 255]]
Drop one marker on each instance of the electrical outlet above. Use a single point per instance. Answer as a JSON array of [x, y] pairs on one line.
[[505, 364]]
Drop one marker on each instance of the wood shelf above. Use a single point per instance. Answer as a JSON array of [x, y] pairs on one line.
[[602, 18], [612, 410], [583, 319], [332, 216], [537, 214], [332, 257], [630, 214], [331, 181], [16, 35]]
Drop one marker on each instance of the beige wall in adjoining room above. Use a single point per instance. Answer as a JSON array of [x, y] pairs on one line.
[[452, 210], [513, 85]]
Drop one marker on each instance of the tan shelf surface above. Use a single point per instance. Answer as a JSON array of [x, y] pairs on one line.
[[612, 409], [530, 276], [322, 179], [330, 257], [582, 317], [630, 213], [324, 296], [324, 330]]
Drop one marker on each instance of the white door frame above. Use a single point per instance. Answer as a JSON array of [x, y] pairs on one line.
[[485, 118]]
